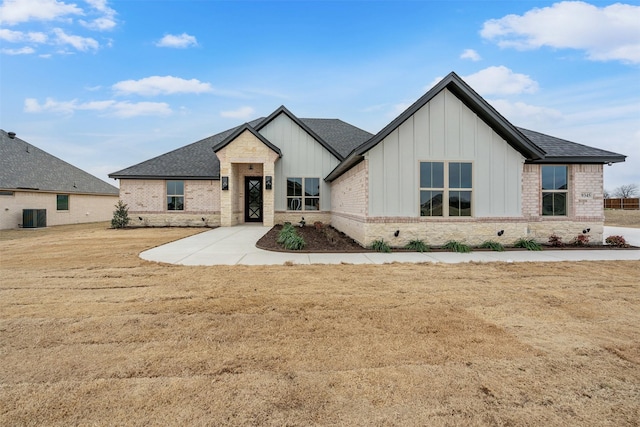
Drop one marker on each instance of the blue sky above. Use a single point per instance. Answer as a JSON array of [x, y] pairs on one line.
[[107, 84]]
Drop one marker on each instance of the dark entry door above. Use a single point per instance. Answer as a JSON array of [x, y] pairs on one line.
[[252, 199]]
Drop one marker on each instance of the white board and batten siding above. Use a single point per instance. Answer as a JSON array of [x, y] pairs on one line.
[[302, 156], [444, 130]]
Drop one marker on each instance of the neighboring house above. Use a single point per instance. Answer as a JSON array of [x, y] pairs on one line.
[[32, 179], [449, 168]]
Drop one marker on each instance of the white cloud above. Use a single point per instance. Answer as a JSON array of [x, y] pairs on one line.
[[183, 40], [113, 108], [19, 36], [525, 115], [161, 85], [106, 21], [500, 81], [470, 54], [607, 33], [79, 43], [17, 11], [22, 51], [240, 113]]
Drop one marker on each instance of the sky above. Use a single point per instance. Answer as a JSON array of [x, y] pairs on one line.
[[105, 84]]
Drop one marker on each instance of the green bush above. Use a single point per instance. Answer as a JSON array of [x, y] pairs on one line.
[[418, 246], [294, 242], [494, 246], [120, 215], [528, 244], [380, 246], [455, 246], [290, 239]]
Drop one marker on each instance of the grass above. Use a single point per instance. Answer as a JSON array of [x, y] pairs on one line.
[[528, 244], [90, 334], [418, 246], [455, 246], [493, 245]]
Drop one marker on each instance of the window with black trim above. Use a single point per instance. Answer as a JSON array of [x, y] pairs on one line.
[[303, 194], [555, 186], [175, 195], [62, 202], [446, 184]]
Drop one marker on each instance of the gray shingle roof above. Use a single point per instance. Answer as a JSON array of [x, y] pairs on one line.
[[25, 166], [561, 150], [198, 160], [342, 136]]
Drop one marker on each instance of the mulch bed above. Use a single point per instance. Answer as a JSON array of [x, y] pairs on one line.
[[329, 240]]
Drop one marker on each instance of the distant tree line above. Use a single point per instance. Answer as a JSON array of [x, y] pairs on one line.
[[627, 191]]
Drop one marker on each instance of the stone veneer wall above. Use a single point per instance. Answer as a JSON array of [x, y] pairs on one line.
[[147, 198]]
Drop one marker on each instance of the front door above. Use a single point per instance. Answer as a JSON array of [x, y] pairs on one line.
[[253, 199]]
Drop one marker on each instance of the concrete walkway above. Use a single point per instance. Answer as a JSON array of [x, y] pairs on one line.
[[237, 246]]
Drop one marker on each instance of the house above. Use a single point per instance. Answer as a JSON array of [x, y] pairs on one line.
[[31, 179], [450, 167]]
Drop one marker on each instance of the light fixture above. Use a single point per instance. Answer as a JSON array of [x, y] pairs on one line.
[[610, 163], [397, 233], [500, 233], [250, 166], [268, 182], [586, 230], [225, 183], [140, 218]]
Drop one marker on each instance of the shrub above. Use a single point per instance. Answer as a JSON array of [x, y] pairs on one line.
[[290, 239], [380, 246], [120, 215], [617, 241], [455, 246], [418, 246], [528, 244], [555, 240], [294, 242], [581, 240], [494, 246]]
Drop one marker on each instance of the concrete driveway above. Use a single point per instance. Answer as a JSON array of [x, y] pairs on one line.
[[237, 246]]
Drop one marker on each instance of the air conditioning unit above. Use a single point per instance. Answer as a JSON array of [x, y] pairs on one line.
[[34, 218]]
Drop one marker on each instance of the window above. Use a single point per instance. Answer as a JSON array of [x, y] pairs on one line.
[[554, 190], [456, 190], [175, 195], [6, 193], [303, 194], [62, 202]]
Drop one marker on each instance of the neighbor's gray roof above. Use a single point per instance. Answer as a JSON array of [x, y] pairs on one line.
[[198, 160], [25, 166], [559, 150]]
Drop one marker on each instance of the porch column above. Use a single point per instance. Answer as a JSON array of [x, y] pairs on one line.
[[226, 199], [268, 198]]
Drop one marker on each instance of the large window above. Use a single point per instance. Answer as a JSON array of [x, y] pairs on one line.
[[454, 192], [303, 194], [554, 190], [175, 195], [62, 202]]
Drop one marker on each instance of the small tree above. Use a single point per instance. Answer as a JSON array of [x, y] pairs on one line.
[[626, 191], [606, 194], [120, 215]]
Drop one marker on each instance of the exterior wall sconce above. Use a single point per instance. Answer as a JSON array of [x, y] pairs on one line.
[[225, 183], [268, 182], [250, 166]]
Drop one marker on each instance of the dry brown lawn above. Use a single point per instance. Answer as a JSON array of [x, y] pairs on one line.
[[90, 334], [620, 218]]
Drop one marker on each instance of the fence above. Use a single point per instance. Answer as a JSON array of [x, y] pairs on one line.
[[627, 204]]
